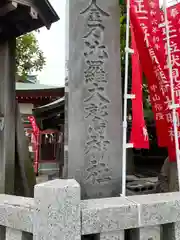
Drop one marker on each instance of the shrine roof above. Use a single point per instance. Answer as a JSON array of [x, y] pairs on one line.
[[50, 115], [59, 103], [35, 90], [34, 86]]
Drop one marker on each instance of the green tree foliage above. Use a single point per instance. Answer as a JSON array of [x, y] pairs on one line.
[[29, 56]]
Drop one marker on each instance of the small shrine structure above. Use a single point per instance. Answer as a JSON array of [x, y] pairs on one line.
[[48, 134], [43, 149]]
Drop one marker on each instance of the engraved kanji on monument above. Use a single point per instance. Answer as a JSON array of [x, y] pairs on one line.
[[94, 97]]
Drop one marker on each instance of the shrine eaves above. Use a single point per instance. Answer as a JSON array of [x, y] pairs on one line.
[[18, 17]]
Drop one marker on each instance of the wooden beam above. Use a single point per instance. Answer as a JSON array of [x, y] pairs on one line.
[[33, 13], [11, 6], [28, 3]]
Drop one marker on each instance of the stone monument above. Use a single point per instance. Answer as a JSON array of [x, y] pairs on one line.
[[94, 97]]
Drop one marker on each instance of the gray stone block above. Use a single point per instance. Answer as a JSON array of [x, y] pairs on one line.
[[176, 227], [17, 212], [94, 114], [171, 231], [156, 209], [57, 210], [107, 215], [147, 233], [119, 235], [13, 234]]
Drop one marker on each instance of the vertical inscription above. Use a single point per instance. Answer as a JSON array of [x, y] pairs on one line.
[[96, 104]]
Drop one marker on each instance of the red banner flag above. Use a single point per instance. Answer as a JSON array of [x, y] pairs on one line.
[[160, 41], [36, 136], [140, 21], [148, 22], [139, 134]]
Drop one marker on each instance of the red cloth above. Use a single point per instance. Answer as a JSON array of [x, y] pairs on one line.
[[139, 134]]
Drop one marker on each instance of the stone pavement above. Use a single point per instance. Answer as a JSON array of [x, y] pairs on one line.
[[41, 178]]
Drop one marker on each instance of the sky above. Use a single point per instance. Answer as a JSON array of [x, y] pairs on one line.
[[52, 43]]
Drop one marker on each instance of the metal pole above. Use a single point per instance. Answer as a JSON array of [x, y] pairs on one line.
[[127, 51], [174, 105]]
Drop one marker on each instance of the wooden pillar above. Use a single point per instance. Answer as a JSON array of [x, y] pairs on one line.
[[10, 121], [24, 173], [7, 116], [7, 119]]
